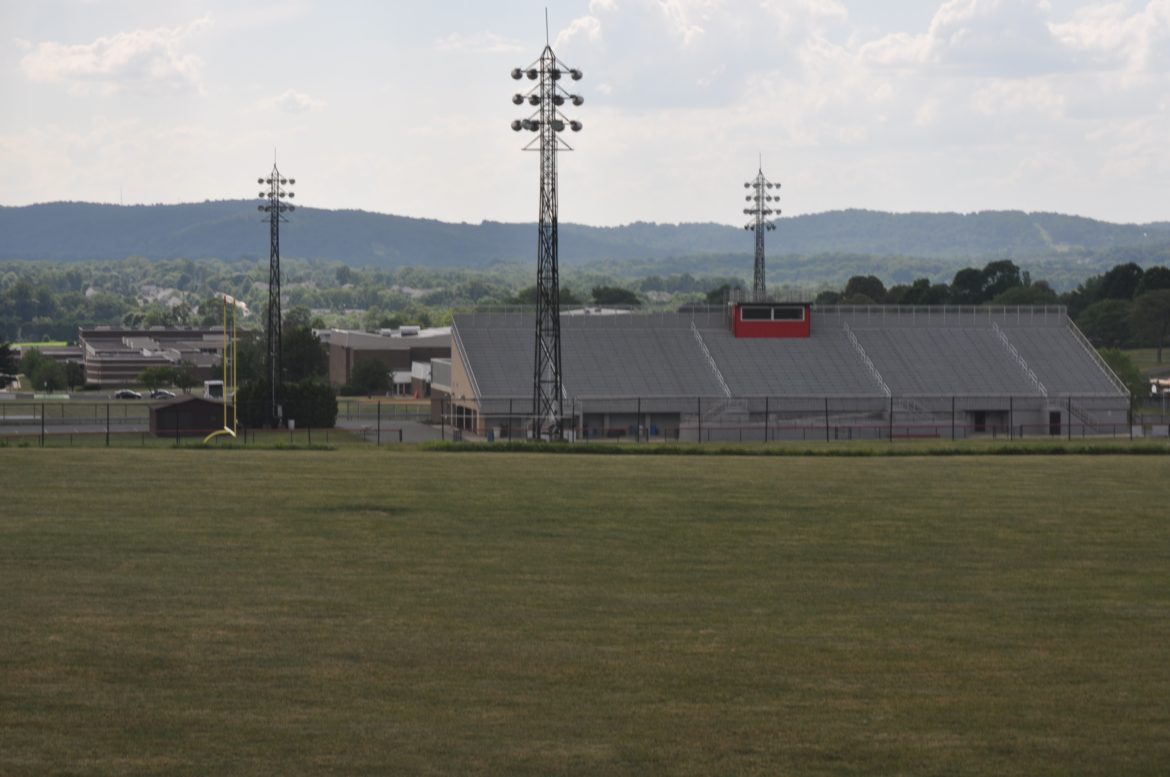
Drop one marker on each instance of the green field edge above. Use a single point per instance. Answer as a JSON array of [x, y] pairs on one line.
[[1078, 448]]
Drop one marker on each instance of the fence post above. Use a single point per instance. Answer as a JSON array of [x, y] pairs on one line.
[[42, 424], [891, 417], [826, 419], [379, 435], [443, 417], [952, 419], [107, 424], [1069, 424], [1011, 417], [638, 422], [699, 417], [767, 417]]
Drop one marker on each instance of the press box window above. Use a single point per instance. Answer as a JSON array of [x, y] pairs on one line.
[[773, 313]]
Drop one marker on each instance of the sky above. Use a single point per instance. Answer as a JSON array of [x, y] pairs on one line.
[[404, 107]]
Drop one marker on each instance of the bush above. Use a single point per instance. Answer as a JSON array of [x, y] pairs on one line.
[[310, 403]]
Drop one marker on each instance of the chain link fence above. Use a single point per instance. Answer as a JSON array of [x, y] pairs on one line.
[[768, 419]]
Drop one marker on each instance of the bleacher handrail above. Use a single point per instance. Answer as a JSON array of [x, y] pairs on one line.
[[1079, 336], [873, 370], [1028, 371], [711, 360]]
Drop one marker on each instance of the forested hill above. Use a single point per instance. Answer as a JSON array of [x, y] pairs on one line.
[[232, 229]]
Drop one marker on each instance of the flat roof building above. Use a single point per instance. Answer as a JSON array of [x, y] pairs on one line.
[[396, 350], [117, 356]]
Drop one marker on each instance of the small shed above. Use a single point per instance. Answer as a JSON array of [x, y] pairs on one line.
[[187, 417]]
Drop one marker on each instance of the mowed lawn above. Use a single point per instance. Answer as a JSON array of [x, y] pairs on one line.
[[377, 612]]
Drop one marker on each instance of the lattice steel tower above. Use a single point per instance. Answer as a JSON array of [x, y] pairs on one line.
[[275, 206], [762, 212], [547, 96]]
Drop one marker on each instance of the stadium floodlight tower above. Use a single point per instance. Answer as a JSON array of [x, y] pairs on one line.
[[275, 205], [761, 212], [547, 96]]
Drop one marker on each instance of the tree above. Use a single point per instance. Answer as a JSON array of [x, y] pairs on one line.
[[922, 292], [1039, 293], [250, 355], [303, 356], [157, 377], [8, 362], [998, 277], [74, 375], [1121, 282], [869, 286], [614, 295], [1151, 318], [1107, 323], [41, 372], [967, 287], [1127, 371], [527, 296], [184, 376], [310, 403], [1153, 279], [369, 376], [718, 296]]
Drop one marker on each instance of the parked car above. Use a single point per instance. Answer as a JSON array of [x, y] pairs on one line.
[[127, 394], [162, 394]]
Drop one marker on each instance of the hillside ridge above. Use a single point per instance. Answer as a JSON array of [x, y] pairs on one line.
[[230, 229]]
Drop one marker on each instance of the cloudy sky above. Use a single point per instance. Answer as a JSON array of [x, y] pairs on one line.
[[403, 107]]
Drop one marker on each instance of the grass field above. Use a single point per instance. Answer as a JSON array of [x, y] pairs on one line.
[[383, 612]]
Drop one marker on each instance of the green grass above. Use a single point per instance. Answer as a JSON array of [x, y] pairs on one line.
[[385, 612], [301, 438]]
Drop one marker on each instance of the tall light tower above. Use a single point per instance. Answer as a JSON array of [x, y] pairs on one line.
[[547, 96], [762, 212], [275, 206]]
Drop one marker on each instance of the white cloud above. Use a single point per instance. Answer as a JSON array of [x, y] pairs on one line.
[[1138, 42], [680, 53], [141, 61], [981, 38], [292, 101], [479, 43]]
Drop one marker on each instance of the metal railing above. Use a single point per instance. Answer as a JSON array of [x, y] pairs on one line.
[[1020, 360], [1101, 364], [710, 360], [869, 365]]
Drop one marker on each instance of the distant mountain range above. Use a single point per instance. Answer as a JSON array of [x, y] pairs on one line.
[[231, 229]]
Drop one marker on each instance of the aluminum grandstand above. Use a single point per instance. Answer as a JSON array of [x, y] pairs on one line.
[[754, 372]]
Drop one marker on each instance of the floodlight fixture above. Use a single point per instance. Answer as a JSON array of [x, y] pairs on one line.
[[760, 223]]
